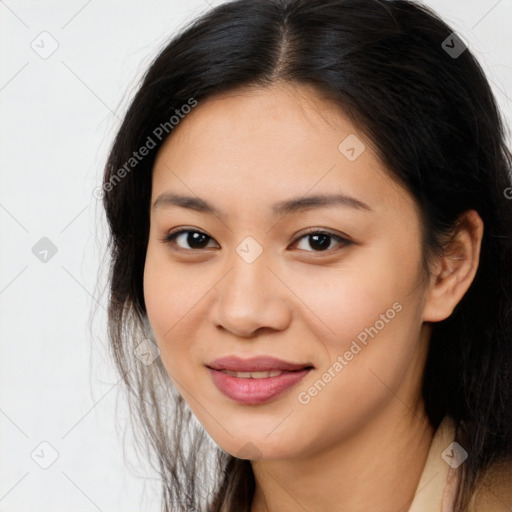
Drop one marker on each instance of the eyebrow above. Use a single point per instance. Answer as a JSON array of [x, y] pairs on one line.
[[293, 205]]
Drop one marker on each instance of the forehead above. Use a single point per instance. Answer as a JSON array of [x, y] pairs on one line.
[[281, 115], [271, 143]]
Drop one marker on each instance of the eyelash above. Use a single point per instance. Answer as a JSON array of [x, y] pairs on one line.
[[170, 237]]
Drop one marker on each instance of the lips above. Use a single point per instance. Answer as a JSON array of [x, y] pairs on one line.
[[255, 381]]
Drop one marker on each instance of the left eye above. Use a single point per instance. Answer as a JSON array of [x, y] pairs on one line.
[[319, 241]]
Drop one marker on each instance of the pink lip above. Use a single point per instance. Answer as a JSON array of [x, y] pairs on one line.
[[255, 391]]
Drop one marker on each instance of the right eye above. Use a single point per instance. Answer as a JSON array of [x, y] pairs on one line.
[[195, 239]]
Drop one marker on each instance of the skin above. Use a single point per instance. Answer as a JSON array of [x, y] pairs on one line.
[[361, 443]]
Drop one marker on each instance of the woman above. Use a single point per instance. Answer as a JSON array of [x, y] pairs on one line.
[[311, 255]]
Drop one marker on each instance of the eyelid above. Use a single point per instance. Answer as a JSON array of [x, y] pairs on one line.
[[324, 231], [341, 238]]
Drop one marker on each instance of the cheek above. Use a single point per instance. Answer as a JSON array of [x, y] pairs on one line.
[[369, 313], [170, 294], [171, 289], [342, 303]]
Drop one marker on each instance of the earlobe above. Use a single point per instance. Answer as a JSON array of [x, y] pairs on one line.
[[456, 269]]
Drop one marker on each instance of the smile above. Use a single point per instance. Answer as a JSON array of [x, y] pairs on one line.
[[255, 388], [252, 375]]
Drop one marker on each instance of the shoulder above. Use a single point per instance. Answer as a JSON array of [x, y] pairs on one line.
[[493, 491]]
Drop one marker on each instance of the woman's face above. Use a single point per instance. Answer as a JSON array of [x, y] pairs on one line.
[[261, 273]]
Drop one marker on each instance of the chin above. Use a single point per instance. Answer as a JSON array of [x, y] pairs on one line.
[[258, 447]]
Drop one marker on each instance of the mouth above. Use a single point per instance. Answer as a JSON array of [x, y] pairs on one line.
[[258, 380], [259, 375], [256, 365]]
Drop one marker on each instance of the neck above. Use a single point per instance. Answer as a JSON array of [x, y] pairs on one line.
[[378, 468]]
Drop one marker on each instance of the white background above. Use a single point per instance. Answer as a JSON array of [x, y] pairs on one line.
[[58, 118]]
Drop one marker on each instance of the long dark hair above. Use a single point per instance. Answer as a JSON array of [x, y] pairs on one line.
[[412, 87]]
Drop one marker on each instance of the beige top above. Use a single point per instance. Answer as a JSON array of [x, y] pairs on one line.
[[437, 485]]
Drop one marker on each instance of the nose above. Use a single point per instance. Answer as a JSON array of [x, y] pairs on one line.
[[251, 298]]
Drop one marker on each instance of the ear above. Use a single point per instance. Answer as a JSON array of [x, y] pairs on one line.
[[455, 270]]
